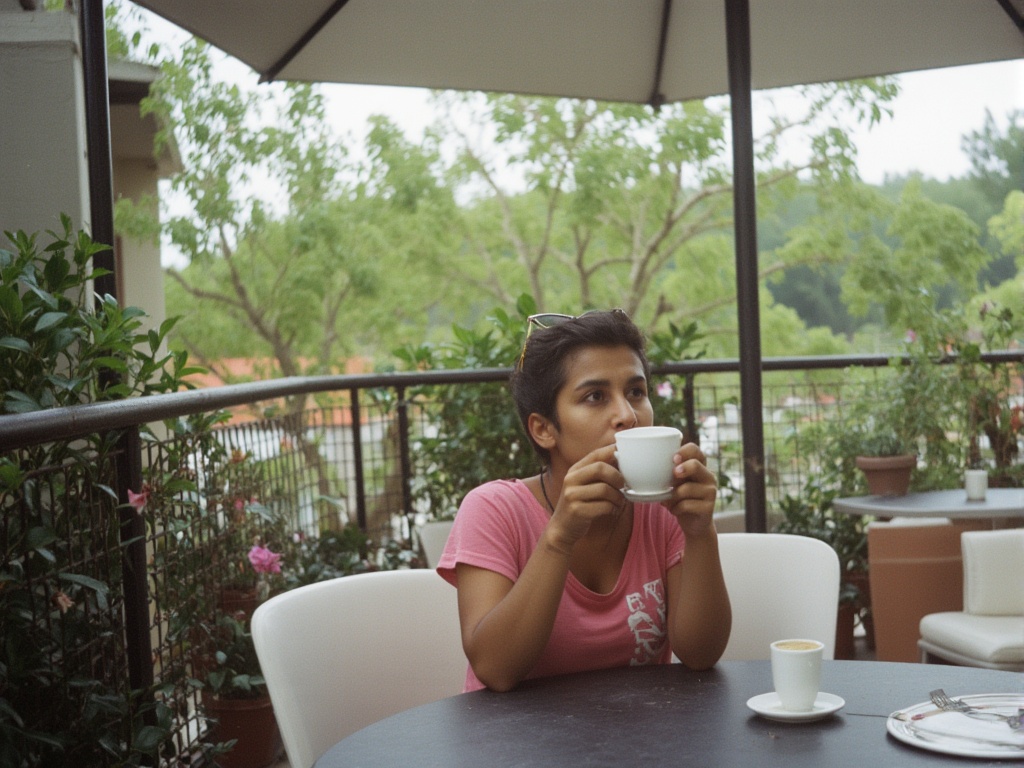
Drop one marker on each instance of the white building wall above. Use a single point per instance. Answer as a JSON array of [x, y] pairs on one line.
[[141, 282], [43, 167]]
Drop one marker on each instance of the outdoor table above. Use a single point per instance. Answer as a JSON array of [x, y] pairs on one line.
[[999, 502], [915, 570], [666, 715]]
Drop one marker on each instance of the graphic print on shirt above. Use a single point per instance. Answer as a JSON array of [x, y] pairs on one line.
[[647, 622]]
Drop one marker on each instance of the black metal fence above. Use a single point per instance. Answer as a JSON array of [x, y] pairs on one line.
[[115, 597]]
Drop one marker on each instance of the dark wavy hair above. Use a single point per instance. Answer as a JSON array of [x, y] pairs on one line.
[[541, 372]]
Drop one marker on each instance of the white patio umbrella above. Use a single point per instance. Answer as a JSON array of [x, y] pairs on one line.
[[641, 51]]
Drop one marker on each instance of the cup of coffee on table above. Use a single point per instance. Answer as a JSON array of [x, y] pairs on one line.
[[796, 672], [645, 456]]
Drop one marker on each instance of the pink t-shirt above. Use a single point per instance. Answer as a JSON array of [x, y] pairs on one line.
[[498, 527]]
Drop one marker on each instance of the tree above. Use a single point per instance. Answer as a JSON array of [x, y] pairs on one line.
[[997, 159], [1007, 227], [289, 244], [936, 246], [583, 204]]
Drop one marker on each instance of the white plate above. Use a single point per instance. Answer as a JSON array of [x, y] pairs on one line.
[[768, 705], [641, 497], [953, 733]]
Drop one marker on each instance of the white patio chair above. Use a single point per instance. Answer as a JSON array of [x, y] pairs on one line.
[[342, 654], [989, 631], [780, 585]]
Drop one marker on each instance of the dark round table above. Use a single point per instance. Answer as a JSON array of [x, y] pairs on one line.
[[667, 715]]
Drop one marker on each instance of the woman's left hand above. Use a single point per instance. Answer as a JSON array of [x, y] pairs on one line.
[[695, 492]]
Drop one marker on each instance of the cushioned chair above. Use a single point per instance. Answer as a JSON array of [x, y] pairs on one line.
[[341, 654], [780, 586], [989, 631]]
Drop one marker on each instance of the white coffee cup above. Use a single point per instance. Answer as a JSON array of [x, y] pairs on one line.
[[796, 672], [645, 457], [976, 483]]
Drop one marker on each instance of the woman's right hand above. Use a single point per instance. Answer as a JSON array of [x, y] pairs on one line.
[[590, 492]]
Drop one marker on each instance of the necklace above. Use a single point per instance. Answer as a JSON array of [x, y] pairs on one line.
[[545, 492]]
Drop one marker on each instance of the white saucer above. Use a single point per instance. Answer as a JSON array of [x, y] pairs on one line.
[[768, 705], [647, 496]]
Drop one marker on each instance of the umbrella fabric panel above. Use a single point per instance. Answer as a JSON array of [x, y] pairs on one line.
[[602, 49]]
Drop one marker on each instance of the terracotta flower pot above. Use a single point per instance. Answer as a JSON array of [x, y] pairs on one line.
[[252, 723], [887, 475], [233, 601]]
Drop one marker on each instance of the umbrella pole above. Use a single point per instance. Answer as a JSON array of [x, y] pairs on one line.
[[97, 126], [737, 26]]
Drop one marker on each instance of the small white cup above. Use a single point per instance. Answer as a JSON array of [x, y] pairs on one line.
[[976, 483], [645, 457], [796, 672]]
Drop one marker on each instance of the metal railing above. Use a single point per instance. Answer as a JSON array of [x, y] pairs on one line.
[[283, 474]]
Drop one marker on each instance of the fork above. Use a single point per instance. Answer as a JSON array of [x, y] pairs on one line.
[[944, 702]]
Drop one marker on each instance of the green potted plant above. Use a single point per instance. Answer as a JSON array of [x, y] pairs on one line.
[[235, 698], [235, 695], [991, 392], [886, 460]]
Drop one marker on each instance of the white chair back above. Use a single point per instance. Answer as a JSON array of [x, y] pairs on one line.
[[994, 572], [342, 654], [780, 585]]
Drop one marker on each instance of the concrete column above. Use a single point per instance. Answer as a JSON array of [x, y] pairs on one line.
[[43, 169]]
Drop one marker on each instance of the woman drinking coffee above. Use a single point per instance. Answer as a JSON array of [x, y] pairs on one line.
[[560, 572]]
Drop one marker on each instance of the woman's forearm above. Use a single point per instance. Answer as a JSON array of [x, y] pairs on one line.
[[702, 617], [504, 644]]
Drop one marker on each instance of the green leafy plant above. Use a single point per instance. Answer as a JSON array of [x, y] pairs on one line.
[[236, 673], [474, 434], [61, 703], [992, 393], [55, 350], [812, 514], [329, 556], [674, 345]]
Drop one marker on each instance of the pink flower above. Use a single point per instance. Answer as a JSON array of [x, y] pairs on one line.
[[139, 500], [264, 561], [62, 601], [665, 389]]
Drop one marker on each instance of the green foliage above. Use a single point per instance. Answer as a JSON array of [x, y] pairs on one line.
[[236, 673], [329, 556], [291, 269], [997, 158], [1007, 227], [812, 514], [55, 350], [936, 249], [629, 207], [986, 390], [674, 345], [61, 702], [474, 434], [909, 409]]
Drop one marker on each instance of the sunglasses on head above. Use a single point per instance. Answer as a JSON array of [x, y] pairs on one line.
[[551, 319]]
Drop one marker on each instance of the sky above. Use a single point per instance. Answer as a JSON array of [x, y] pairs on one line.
[[934, 110]]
